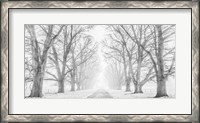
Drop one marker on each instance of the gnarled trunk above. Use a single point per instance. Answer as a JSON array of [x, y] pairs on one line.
[[161, 88], [35, 92], [37, 83], [138, 89]]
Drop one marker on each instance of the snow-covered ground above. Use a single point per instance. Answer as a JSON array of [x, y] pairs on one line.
[[116, 94], [119, 94], [50, 89], [82, 94]]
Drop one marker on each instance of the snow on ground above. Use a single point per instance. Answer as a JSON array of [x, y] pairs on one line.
[[82, 94], [120, 94], [116, 94], [50, 91]]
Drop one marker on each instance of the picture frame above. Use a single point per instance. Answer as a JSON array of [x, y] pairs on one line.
[[6, 6]]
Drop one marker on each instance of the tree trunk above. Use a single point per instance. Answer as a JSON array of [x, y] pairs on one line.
[[35, 92], [161, 81], [61, 86], [37, 71], [138, 89], [129, 73], [161, 88], [139, 62], [37, 83], [128, 86], [78, 86], [73, 72], [73, 81], [72, 86]]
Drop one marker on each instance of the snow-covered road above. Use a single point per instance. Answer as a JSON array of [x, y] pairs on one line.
[[101, 93]]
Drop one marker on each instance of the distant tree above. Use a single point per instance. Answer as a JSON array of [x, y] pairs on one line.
[[116, 48], [86, 51], [115, 75]]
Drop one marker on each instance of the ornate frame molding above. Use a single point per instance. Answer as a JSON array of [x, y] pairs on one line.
[[99, 4]]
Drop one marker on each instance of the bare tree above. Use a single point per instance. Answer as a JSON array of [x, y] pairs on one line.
[[60, 60], [141, 59], [157, 56], [39, 54], [87, 49], [162, 72], [76, 51], [67, 43], [28, 64], [118, 47], [128, 47], [89, 71]]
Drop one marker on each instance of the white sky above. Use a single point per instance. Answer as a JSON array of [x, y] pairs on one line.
[[99, 33]]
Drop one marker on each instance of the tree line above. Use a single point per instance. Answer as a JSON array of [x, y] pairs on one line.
[[138, 54], [61, 53]]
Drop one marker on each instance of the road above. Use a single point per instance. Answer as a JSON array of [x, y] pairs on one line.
[[101, 93]]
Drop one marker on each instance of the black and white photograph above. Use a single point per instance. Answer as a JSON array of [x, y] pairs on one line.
[[119, 61]]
